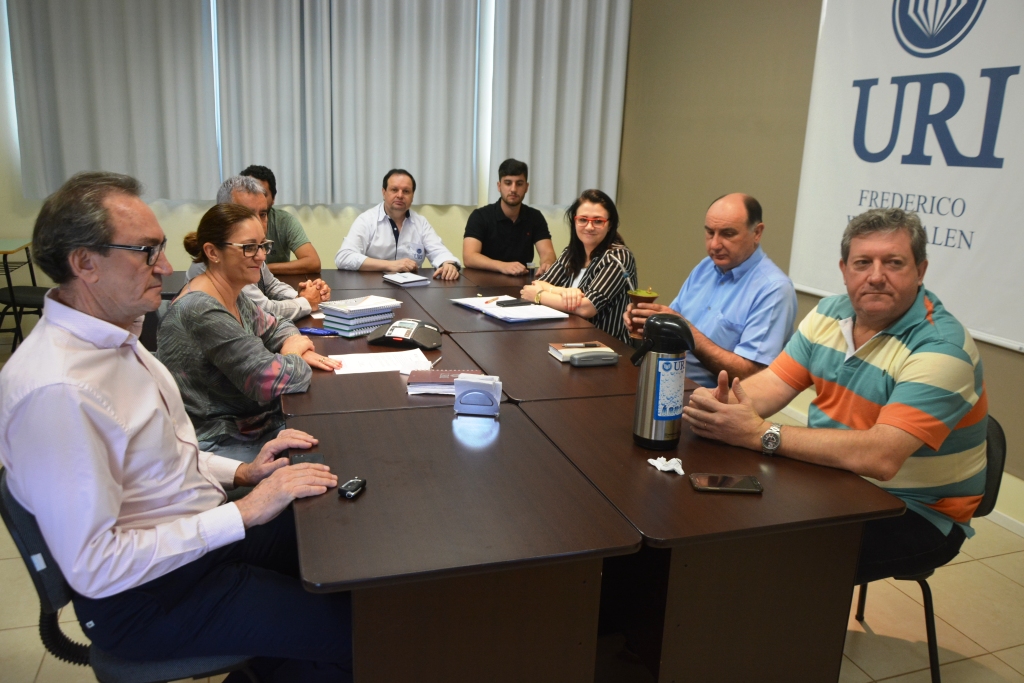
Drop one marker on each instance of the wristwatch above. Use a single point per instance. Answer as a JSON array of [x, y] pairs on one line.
[[536, 299], [771, 439]]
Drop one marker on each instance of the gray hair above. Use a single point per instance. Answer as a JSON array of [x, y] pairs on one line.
[[243, 184], [887, 221], [74, 217]]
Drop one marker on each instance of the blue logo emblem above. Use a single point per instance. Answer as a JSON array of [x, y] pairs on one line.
[[928, 28]]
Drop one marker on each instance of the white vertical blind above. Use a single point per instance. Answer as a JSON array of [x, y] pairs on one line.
[[275, 93], [402, 75], [559, 88], [115, 85]]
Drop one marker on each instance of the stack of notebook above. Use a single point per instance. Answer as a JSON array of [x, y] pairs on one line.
[[356, 317]]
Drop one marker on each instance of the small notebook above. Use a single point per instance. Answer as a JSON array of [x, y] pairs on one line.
[[360, 321], [351, 332], [436, 381], [489, 306], [563, 354], [407, 279], [361, 306]]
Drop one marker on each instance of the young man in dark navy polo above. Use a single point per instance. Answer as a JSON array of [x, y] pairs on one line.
[[501, 236]]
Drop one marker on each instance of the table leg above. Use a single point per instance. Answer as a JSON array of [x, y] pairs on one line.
[[758, 608], [536, 624]]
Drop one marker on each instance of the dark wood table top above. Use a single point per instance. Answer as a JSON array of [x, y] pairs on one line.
[[453, 318], [489, 278], [367, 280], [330, 393], [528, 372], [597, 436], [172, 284], [446, 496]]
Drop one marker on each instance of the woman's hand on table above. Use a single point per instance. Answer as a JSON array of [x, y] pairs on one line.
[[529, 292], [297, 344], [572, 297], [318, 362]]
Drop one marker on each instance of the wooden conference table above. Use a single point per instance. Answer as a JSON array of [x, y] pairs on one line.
[[475, 552]]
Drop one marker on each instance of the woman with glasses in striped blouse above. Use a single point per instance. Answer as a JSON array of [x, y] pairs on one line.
[[231, 359], [594, 273]]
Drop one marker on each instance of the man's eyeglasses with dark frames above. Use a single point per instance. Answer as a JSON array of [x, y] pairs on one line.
[[152, 251], [249, 250]]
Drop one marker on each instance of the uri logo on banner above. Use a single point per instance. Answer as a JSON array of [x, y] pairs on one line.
[[668, 389], [927, 28]]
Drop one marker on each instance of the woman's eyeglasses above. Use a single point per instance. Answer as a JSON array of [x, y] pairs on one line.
[[599, 223], [152, 252], [249, 250]]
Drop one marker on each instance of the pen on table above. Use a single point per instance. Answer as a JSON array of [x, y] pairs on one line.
[[581, 345], [436, 362], [491, 301]]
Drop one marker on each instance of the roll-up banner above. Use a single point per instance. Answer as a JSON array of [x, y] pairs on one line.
[[919, 104]]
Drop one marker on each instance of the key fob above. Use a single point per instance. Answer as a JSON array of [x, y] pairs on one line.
[[352, 488]]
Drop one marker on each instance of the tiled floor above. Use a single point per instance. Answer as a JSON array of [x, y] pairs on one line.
[[979, 607]]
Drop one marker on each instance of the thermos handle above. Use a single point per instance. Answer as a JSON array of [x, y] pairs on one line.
[[641, 351]]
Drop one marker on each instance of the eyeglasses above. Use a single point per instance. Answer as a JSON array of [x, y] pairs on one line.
[[152, 252], [599, 223], [249, 250]]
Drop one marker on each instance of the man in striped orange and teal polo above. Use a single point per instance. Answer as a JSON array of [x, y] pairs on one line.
[[901, 397]]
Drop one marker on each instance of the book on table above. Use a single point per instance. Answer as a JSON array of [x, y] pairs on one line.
[[510, 314], [407, 279], [350, 331], [359, 307], [567, 350], [436, 381]]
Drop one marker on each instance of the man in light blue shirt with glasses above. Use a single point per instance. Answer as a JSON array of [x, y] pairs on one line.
[[739, 304]]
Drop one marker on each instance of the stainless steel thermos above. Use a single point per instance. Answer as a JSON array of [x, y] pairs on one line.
[[659, 389]]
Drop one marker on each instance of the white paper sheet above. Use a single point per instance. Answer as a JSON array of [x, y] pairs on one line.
[[393, 361], [489, 306]]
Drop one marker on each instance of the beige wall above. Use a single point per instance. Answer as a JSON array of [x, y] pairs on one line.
[[716, 101]]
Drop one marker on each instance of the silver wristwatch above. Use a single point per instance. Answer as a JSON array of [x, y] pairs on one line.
[[771, 439]]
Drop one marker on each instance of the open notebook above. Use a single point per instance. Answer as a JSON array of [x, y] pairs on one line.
[[510, 314]]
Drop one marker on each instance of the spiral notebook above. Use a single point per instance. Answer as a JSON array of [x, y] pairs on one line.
[[359, 307]]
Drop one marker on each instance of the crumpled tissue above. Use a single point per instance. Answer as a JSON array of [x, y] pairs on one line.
[[673, 465]]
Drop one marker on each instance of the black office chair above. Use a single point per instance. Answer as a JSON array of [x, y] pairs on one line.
[[996, 457], [21, 300], [54, 592]]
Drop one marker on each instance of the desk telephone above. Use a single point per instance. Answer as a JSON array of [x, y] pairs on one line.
[[407, 333]]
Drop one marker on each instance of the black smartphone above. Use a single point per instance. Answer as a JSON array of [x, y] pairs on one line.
[[505, 303], [726, 483], [295, 457]]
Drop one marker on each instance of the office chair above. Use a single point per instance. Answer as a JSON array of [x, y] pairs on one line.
[[995, 456], [54, 592]]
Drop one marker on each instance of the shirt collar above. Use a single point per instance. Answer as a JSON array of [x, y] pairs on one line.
[[99, 333], [742, 269], [382, 215]]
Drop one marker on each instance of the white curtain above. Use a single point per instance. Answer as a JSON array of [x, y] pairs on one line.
[[331, 94], [559, 86], [403, 77], [275, 93], [115, 85]]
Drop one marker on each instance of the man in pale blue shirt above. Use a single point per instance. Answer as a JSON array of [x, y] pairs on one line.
[[739, 304]]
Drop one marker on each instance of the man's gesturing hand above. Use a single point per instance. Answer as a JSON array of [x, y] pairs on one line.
[[276, 492], [734, 423]]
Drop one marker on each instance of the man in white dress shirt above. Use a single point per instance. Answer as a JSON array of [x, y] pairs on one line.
[[393, 238], [98, 447]]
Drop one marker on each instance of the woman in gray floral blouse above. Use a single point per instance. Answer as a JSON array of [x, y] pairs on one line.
[[231, 359]]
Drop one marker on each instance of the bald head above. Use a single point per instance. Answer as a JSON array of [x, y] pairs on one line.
[[732, 229]]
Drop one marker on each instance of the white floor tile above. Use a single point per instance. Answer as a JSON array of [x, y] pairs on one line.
[[991, 539], [1014, 657], [893, 640], [984, 669], [977, 601], [1011, 566], [8, 551], [851, 673], [19, 604], [21, 652]]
